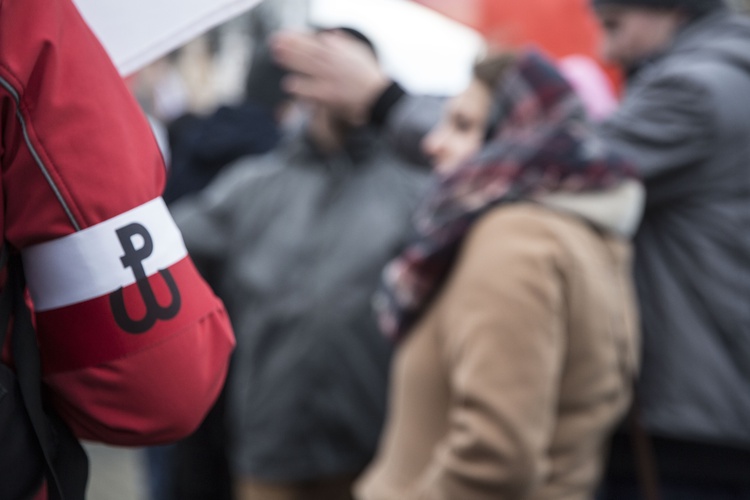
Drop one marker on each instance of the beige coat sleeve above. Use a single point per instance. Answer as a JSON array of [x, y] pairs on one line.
[[503, 328]]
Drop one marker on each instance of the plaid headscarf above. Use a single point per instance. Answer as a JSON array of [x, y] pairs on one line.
[[543, 143]]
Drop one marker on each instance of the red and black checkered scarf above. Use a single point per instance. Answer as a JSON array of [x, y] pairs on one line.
[[543, 144]]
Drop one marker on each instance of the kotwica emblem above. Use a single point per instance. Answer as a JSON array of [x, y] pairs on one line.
[[133, 259]]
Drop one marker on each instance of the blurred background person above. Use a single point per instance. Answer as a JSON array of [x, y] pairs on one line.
[[294, 243], [682, 124], [513, 306]]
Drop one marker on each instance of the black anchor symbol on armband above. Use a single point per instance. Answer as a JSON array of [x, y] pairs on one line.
[[133, 259]]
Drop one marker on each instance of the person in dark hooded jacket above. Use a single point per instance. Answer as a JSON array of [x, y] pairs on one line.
[[685, 122]]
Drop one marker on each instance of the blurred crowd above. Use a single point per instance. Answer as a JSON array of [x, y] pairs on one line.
[[534, 289]]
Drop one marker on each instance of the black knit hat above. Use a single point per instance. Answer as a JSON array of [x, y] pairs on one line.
[[695, 7]]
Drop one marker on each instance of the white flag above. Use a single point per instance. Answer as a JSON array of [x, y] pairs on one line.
[[137, 32]]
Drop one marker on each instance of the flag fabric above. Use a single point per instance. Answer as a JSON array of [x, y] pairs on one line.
[[560, 28]]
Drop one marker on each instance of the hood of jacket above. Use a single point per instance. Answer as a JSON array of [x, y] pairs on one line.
[[722, 34]]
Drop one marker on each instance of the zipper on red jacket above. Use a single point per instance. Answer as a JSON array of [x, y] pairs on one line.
[[35, 154]]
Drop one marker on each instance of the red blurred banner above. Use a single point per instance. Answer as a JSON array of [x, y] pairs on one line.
[[559, 27]]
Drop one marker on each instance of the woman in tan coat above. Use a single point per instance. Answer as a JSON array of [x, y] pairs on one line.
[[513, 306]]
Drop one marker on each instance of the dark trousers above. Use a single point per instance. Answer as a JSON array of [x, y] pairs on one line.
[[195, 468], [682, 490], [200, 469], [334, 488], [685, 470]]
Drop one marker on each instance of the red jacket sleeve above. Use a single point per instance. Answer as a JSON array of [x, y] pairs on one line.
[[134, 344]]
